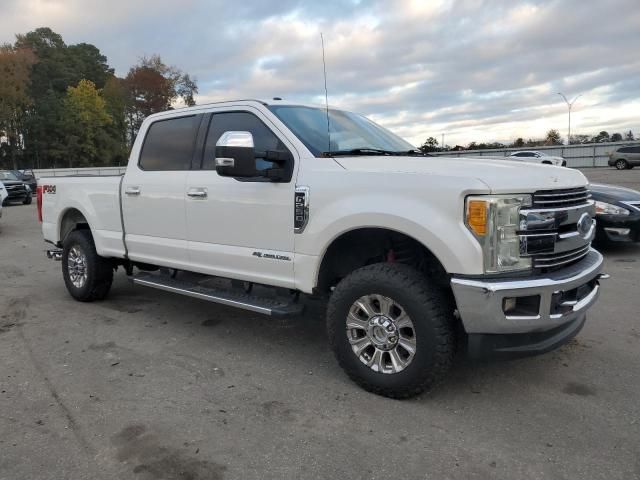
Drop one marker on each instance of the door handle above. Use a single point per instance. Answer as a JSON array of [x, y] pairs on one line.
[[197, 193], [132, 191]]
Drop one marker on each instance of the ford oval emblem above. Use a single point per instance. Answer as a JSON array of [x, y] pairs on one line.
[[584, 225]]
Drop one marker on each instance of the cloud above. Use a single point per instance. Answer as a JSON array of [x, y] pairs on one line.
[[477, 70]]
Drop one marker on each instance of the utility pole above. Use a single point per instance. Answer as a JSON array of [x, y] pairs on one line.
[[569, 105], [442, 144]]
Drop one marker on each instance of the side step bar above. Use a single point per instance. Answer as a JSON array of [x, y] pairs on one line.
[[265, 305]]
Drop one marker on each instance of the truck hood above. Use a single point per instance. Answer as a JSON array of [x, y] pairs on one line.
[[500, 176]]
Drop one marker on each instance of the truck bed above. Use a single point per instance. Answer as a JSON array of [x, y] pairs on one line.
[[96, 198]]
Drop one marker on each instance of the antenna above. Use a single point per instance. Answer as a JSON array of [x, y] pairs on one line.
[[326, 93]]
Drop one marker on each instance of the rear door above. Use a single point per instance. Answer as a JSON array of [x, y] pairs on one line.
[[153, 193], [241, 228]]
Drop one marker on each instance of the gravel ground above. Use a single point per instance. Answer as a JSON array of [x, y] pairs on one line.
[[147, 385]]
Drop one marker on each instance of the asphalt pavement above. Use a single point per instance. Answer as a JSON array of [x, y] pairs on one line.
[[149, 385]]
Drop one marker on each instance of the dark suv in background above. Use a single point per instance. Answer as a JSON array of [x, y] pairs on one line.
[[625, 157], [17, 190], [28, 177]]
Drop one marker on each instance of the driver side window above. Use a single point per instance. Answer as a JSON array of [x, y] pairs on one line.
[[263, 138]]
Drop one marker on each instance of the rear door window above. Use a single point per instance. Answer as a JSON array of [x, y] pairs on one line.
[[169, 144]]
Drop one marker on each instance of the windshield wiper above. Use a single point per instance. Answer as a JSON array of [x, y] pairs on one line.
[[357, 151], [375, 151]]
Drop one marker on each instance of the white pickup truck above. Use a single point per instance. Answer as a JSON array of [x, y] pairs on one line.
[[256, 204]]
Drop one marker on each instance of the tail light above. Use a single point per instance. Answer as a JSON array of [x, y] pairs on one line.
[[39, 202]]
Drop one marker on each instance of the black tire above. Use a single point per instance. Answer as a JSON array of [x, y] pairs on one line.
[[99, 270], [621, 164], [27, 200], [430, 310]]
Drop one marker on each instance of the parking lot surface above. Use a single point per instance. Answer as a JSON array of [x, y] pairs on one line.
[[148, 385]]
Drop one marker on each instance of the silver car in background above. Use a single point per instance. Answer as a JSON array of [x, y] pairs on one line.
[[624, 158], [534, 156]]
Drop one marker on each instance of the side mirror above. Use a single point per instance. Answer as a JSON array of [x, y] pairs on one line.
[[235, 155]]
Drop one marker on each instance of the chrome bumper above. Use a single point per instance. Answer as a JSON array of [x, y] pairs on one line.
[[481, 302]]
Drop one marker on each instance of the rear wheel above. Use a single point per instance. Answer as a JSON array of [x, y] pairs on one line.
[[87, 275], [391, 331], [621, 164]]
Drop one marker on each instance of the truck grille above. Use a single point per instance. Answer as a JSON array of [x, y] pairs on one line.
[[560, 198], [558, 228], [555, 260], [15, 189]]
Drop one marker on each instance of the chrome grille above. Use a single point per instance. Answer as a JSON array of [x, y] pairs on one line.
[[15, 188], [549, 232], [560, 198], [553, 260]]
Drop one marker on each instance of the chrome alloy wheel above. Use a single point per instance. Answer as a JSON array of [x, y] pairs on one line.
[[77, 267], [381, 334]]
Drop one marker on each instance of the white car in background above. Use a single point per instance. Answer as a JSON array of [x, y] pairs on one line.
[[3, 195], [533, 156]]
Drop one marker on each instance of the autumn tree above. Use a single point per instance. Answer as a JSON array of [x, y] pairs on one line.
[[15, 67], [154, 87], [116, 99], [44, 91], [57, 67], [85, 118]]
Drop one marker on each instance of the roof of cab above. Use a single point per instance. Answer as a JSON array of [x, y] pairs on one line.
[[204, 106]]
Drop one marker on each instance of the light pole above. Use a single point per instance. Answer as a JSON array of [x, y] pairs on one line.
[[569, 105]]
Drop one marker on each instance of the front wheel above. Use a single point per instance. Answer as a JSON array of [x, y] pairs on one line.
[[391, 331], [621, 164], [27, 200], [87, 275]]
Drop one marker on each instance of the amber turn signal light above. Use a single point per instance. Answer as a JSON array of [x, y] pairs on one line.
[[477, 216]]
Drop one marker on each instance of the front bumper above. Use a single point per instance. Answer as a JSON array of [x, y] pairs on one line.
[[485, 346], [563, 296]]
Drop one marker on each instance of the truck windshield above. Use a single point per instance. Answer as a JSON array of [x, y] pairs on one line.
[[7, 176], [350, 133]]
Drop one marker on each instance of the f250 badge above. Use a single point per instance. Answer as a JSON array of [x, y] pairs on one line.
[[49, 189], [271, 256]]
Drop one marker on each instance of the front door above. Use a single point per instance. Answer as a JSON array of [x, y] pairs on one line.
[[241, 228], [153, 193]]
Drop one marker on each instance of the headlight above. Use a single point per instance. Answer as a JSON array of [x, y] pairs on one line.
[[603, 208], [494, 221], [27, 188]]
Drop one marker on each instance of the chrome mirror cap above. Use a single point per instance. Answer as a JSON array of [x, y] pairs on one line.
[[235, 139]]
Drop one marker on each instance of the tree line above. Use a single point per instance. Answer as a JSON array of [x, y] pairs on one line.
[[552, 137], [63, 106]]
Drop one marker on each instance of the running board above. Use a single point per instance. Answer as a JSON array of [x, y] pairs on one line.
[[264, 305]]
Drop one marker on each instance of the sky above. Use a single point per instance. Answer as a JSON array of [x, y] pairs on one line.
[[473, 70]]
